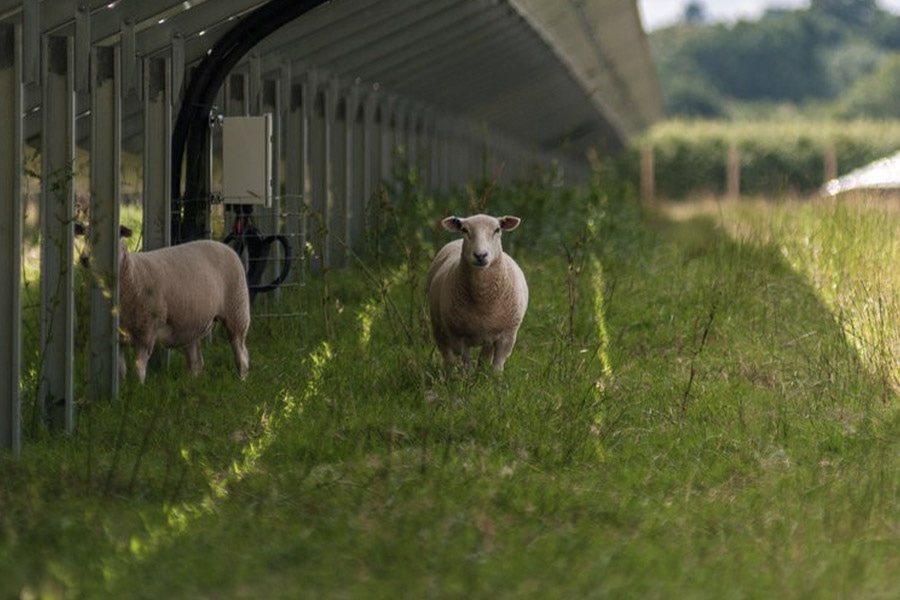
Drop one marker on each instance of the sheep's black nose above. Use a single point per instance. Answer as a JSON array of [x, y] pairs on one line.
[[481, 258]]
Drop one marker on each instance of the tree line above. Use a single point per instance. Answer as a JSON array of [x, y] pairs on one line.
[[836, 59]]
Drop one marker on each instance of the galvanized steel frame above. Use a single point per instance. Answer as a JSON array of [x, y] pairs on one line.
[[347, 86], [11, 163]]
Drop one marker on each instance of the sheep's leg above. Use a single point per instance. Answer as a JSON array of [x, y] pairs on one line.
[[502, 349], [450, 348], [448, 355], [194, 357], [465, 354], [443, 343], [237, 335], [241, 356], [487, 353], [142, 355]]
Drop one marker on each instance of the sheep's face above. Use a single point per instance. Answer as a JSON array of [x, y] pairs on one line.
[[82, 230], [481, 236]]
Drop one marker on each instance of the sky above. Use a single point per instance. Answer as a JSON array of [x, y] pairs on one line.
[[660, 13]]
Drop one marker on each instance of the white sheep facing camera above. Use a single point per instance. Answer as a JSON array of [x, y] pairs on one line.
[[477, 294]]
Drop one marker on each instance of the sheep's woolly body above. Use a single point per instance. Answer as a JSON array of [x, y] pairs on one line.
[[477, 294], [174, 295]]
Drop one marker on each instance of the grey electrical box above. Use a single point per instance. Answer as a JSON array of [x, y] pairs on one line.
[[247, 160]]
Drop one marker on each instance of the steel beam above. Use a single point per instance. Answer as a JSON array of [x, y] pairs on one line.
[[57, 217], [31, 41], [11, 76], [157, 152], [294, 140], [352, 205], [334, 158], [319, 165], [430, 179], [386, 133], [179, 68], [270, 101], [370, 173], [336, 109], [128, 59], [82, 48], [157, 185], [308, 93], [106, 158]]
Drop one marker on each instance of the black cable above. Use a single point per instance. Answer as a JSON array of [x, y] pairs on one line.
[[258, 248], [190, 135]]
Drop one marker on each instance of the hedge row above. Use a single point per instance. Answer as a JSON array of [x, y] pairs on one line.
[[776, 157]]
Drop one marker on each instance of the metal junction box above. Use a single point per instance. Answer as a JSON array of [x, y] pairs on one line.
[[247, 160]]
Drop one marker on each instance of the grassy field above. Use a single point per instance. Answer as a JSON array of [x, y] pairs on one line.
[[702, 404]]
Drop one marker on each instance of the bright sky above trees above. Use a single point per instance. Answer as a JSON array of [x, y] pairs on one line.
[[659, 13]]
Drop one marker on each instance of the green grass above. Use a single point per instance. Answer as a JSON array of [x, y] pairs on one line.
[[707, 416]]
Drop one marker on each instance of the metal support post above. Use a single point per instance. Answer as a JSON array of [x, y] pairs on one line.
[[157, 152], [333, 158], [309, 93], [352, 203], [386, 143], [57, 217], [11, 76], [319, 164], [370, 172], [270, 217], [294, 152], [106, 112]]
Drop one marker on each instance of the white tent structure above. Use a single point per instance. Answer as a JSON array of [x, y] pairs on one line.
[[881, 174]]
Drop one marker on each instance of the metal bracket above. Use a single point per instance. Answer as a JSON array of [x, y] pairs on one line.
[[215, 118]]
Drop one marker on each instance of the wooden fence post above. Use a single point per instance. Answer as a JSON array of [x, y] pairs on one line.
[[648, 190], [733, 173], [830, 163]]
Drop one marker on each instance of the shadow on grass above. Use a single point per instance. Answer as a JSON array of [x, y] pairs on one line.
[[727, 414], [723, 335]]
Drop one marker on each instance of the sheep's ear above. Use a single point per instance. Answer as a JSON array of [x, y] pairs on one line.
[[452, 223], [124, 231], [509, 223]]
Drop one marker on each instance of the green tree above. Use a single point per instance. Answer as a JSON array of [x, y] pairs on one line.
[[694, 97], [875, 95], [885, 32], [805, 58], [694, 13], [776, 58], [858, 13], [846, 63]]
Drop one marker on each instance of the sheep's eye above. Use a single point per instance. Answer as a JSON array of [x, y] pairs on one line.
[[464, 230], [496, 231]]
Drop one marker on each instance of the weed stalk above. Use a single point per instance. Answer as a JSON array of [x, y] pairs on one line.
[[707, 326]]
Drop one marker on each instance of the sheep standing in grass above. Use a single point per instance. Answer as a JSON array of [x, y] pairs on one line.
[[477, 294], [173, 295]]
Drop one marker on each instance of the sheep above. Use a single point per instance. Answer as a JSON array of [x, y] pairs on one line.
[[477, 294], [173, 295]]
